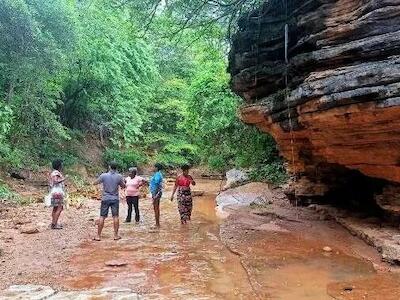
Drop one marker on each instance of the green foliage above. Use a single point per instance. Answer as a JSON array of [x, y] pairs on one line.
[[71, 68], [125, 158], [111, 77], [7, 195], [34, 39], [177, 153], [272, 172]]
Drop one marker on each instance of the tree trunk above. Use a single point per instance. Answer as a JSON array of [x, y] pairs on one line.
[[10, 92]]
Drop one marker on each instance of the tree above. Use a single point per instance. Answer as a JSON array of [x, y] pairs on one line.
[[33, 47]]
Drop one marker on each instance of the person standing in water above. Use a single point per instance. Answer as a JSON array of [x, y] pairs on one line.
[[111, 182], [156, 186], [133, 185], [185, 200], [57, 193]]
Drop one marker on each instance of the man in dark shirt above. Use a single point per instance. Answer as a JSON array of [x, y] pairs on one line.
[[111, 182]]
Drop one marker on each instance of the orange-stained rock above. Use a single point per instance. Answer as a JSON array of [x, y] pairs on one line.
[[341, 108]]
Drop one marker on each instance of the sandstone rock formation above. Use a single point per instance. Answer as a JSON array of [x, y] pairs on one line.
[[338, 120]]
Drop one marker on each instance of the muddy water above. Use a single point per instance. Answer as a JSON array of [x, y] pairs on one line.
[[176, 262], [191, 262]]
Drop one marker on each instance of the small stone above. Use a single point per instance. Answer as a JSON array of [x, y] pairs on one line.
[[197, 193], [116, 263], [348, 288], [29, 230], [327, 249], [21, 221], [312, 206]]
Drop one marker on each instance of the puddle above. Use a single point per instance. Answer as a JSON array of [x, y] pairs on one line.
[[191, 262]]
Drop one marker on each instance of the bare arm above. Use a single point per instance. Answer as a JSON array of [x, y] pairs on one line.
[[174, 191], [56, 179], [122, 183], [192, 181], [98, 180]]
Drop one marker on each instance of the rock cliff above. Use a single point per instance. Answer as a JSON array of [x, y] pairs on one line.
[[334, 106]]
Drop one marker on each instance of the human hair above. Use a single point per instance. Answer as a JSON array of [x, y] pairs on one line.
[[133, 170], [57, 164], [185, 167], [158, 166], [113, 165]]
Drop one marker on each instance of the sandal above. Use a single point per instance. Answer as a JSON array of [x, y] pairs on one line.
[[117, 238], [56, 226], [97, 239]]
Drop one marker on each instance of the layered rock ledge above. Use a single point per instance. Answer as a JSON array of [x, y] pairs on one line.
[[336, 115]]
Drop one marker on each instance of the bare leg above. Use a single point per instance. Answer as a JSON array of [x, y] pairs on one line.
[[53, 216], [100, 226], [156, 205], [116, 228], [56, 214]]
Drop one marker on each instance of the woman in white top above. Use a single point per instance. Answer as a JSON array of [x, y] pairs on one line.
[[57, 193], [133, 185]]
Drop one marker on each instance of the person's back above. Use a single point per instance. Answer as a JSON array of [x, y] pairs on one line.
[[111, 181]]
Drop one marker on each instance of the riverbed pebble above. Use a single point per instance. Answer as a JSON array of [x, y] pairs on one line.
[[327, 249], [29, 230], [116, 263]]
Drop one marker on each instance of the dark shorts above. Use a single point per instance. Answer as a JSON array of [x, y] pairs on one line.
[[106, 205]]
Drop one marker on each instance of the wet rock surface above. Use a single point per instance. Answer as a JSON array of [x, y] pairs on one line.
[[373, 231], [341, 106], [289, 253], [40, 292]]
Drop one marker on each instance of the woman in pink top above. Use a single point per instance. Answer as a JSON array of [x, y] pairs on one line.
[[133, 185]]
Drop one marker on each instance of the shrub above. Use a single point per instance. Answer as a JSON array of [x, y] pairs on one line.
[[125, 158], [273, 172], [177, 153], [217, 163], [7, 195]]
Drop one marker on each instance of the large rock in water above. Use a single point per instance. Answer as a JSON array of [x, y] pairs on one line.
[[339, 116]]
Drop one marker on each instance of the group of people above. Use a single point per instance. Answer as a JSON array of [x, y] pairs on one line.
[[112, 182]]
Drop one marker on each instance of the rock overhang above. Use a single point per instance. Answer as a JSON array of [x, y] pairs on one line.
[[341, 104]]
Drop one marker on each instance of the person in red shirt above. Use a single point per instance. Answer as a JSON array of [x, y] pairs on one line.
[[185, 200]]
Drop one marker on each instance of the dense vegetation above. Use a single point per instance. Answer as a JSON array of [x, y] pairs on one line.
[[127, 74]]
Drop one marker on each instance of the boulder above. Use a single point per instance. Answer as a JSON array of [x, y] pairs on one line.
[[235, 178], [338, 116]]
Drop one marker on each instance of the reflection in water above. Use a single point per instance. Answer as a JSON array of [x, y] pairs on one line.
[[191, 262]]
